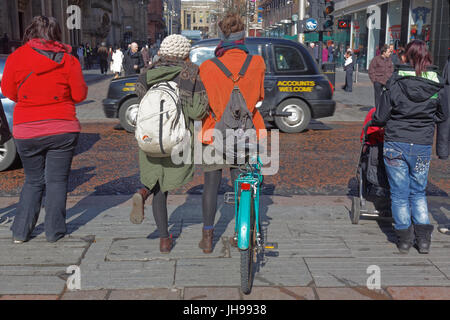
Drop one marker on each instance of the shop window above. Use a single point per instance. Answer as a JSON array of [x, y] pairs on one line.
[[420, 20], [288, 59], [394, 18]]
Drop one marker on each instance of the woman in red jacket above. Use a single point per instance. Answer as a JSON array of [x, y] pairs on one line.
[[46, 81]]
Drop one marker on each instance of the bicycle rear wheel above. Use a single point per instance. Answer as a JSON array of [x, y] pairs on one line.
[[247, 265]]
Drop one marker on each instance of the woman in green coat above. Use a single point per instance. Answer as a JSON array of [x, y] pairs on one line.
[[160, 175]]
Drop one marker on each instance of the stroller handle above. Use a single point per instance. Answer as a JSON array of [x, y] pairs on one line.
[[366, 127]]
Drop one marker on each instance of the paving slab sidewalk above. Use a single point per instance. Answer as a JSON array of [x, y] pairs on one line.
[[320, 254]]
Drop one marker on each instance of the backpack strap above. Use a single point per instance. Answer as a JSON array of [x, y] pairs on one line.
[[245, 65], [222, 67], [228, 73]]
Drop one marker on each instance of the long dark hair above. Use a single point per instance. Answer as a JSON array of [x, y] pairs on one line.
[[43, 28], [418, 56]]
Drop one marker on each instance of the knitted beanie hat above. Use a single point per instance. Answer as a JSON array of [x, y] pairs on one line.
[[176, 46]]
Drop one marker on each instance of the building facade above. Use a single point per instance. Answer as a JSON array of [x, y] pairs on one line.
[[279, 18], [116, 22], [156, 23], [172, 16], [200, 15], [371, 24]]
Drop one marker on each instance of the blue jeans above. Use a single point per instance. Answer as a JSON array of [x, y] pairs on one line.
[[46, 162], [407, 168]]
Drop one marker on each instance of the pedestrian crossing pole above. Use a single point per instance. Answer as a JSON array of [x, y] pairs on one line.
[[320, 49]]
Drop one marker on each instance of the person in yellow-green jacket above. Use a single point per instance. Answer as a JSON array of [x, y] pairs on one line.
[[410, 107]]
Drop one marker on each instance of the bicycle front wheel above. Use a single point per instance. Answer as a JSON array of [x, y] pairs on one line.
[[247, 256]]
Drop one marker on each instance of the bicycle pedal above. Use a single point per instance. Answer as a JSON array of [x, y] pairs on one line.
[[228, 197], [271, 246]]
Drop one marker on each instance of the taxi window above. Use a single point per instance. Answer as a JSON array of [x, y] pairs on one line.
[[201, 54], [288, 59], [257, 49]]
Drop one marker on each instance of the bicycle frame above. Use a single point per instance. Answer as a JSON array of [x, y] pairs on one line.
[[247, 189]]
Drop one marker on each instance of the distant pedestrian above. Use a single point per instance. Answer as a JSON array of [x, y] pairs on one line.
[[380, 70], [377, 51], [102, 53], [156, 57], [133, 62], [80, 53], [110, 53], [409, 109], [401, 57], [88, 56], [117, 62], [45, 127], [316, 52], [5, 43], [311, 49], [348, 68], [331, 52], [324, 53], [443, 129], [394, 55], [145, 55]]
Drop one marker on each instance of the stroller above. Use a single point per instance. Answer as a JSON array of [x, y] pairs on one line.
[[373, 185]]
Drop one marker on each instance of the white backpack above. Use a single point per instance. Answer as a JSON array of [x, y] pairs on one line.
[[160, 123]]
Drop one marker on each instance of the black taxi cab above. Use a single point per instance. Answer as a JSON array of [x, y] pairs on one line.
[[295, 90]]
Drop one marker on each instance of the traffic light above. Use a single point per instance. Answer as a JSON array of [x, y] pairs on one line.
[[328, 19], [318, 17], [313, 9], [252, 6], [251, 10]]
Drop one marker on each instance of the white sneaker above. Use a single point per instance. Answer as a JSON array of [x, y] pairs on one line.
[[18, 241]]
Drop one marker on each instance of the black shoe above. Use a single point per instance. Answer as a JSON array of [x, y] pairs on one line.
[[423, 237], [118, 127], [405, 239]]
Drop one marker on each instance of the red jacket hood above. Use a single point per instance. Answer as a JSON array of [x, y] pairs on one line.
[[42, 60]]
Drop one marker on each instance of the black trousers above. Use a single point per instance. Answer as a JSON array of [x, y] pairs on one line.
[[103, 66], [46, 162], [159, 206], [378, 89], [348, 80], [210, 192]]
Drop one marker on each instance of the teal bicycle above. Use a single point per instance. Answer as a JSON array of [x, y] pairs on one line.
[[247, 220]]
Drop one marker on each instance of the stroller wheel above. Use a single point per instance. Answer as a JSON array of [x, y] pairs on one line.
[[356, 210]]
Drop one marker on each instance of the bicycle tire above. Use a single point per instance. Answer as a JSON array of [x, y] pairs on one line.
[[246, 267]]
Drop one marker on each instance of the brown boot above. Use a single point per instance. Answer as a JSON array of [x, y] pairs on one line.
[[137, 211], [207, 241], [165, 244]]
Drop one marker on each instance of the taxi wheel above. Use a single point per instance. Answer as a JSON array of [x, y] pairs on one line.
[[128, 113], [299, 118], [8, 154]]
